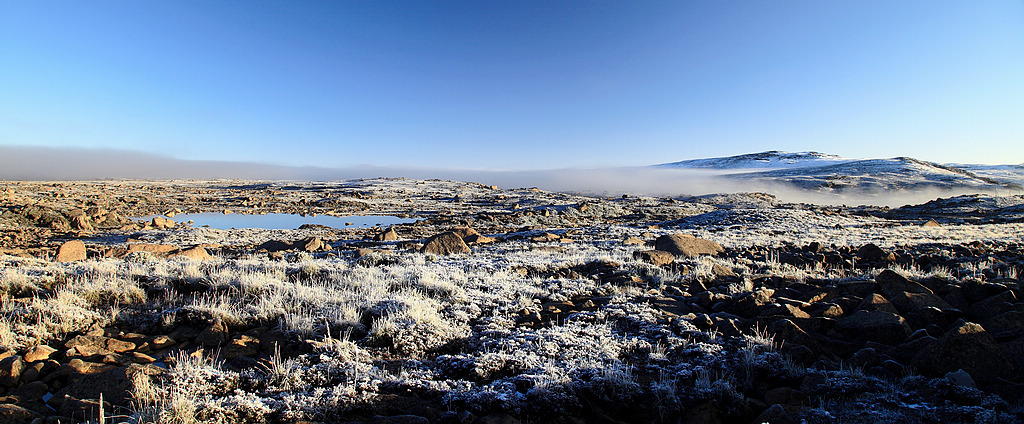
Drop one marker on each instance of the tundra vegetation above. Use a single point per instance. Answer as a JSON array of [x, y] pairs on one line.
[[504, 306]]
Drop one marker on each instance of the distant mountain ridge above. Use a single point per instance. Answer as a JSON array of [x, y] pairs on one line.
[[769, 159], [830, 173]]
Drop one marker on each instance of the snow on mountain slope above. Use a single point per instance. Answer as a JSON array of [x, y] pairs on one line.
[[829, 173], [886, 174], [769, 159]]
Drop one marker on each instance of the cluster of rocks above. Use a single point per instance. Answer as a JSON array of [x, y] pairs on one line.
[[63, 382], [970, 324]]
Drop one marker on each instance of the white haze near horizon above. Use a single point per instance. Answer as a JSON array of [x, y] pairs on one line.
[[56, 164]]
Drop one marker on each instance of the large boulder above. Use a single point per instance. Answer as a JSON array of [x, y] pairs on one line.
[[966, 346], [446, 243], [687, 246], [73, 250], [877, 302], [871, 252]]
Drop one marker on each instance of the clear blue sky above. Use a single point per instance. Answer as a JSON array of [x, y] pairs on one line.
[[515, 84]]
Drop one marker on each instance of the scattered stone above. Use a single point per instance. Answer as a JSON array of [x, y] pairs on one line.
[[78, 366], [545, 238], [241, 345], [115, 384], [161, 222], [632, 241], [387, 235], [161, 342]]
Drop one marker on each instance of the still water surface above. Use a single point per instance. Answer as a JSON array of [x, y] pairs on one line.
[[284, 221]]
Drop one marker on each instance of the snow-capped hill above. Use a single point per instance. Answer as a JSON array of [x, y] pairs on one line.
[[772, 159], [874, 174], [830, 173]]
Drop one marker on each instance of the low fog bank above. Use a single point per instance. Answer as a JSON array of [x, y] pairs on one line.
[[42, 164], [662, 182]]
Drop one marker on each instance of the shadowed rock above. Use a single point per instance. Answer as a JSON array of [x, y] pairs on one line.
[[387, 235], [654, 257], [871, 252], [966, 346], [14, 414], [879, 326], [116, 385], [10, 370]]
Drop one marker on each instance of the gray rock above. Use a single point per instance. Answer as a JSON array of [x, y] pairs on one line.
[[687, 246]]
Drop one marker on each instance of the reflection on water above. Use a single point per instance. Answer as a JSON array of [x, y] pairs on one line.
[[284, 221]]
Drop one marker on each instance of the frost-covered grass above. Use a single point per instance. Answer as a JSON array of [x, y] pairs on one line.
[[449, 330]]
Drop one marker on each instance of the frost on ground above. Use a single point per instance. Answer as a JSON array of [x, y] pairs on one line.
[[810, 314]]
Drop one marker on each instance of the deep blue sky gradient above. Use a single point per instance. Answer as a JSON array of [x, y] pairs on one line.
[[515, 84]]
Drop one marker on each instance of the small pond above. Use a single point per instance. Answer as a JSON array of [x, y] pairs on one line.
[[284, 221]]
